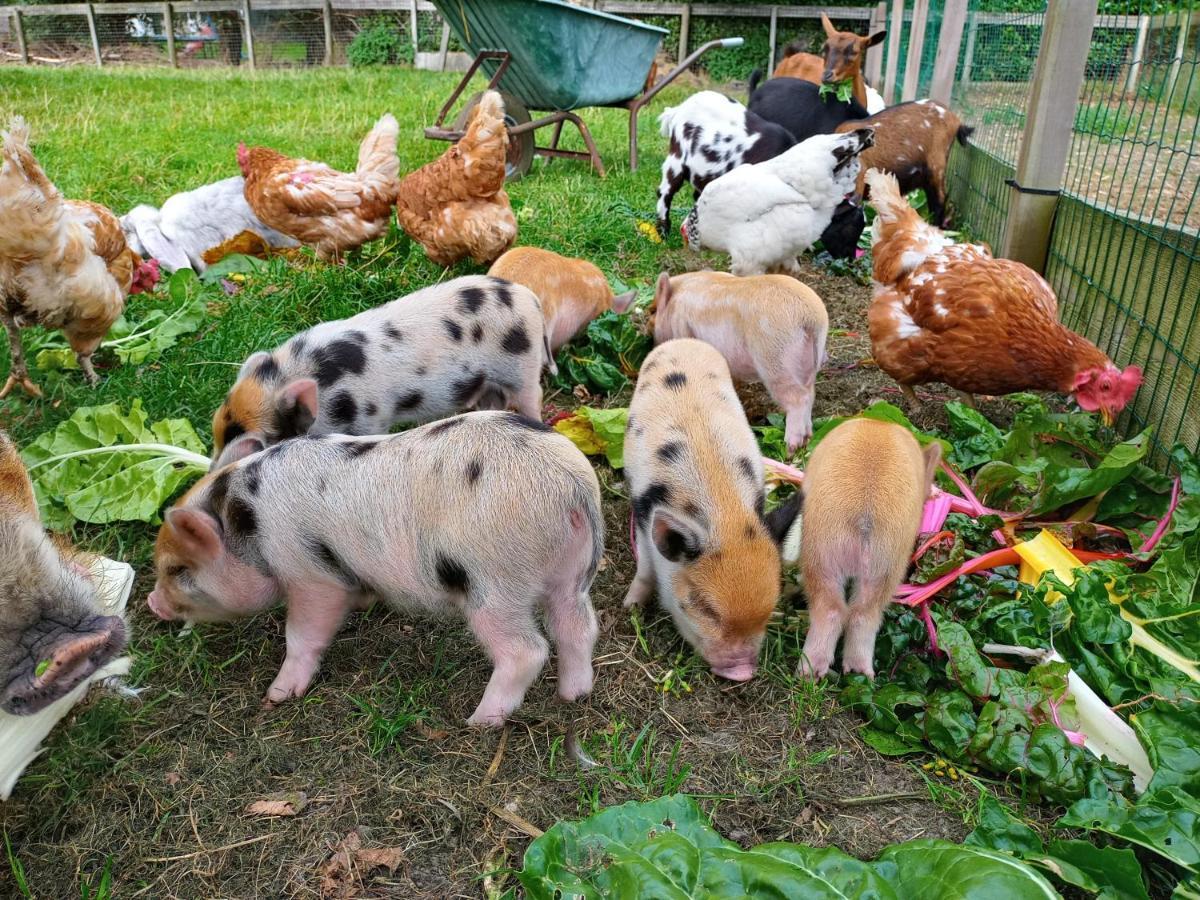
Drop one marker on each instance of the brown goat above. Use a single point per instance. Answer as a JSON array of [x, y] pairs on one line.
[[912, 141], [843, 56]]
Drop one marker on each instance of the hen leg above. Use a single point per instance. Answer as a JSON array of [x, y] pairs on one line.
[[89, 372], [907, 391], [17, 373], [967, 399]]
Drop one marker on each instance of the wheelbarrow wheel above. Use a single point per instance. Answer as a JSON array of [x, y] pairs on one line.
[[520, 146]]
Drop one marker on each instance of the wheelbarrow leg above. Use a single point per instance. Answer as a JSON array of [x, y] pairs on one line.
[[587, 139], [557, 133], [633, 122]]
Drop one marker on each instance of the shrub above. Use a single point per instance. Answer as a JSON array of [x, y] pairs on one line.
[[379, 43], [1104, 122]]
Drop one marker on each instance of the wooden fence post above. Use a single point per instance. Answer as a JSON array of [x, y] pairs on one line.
[[1053, 100], [249, 33], [91, 20], [874, 73], [412, 19], [444, 46], [327, 22], [954, 17], [893, 52], [1139, 50], [685, 26], [19, 28], [916, 45], [969, 58], [168, 15], [771, 32]]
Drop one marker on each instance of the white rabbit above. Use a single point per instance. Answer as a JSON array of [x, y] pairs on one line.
[[188, 224]]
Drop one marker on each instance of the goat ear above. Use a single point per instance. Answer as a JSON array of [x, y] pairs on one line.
[[828, 26], [876, 38]]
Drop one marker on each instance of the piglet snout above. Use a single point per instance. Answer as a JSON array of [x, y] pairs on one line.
[[737, 672], [158, 606]]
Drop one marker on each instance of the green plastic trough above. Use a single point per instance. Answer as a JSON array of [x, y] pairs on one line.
[[563, 57]]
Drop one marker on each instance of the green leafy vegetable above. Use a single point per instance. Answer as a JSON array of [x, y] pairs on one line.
[[41, 668], [234, 264], [666, 849], [596, 431], [104, 465], [606, 359], [843, 89]]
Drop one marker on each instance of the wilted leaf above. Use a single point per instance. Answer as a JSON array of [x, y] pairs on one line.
[[283, 804]]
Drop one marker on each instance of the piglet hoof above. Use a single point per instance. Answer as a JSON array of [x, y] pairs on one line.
[[482, 718], [849, 666], [283, 689], [638, 594], [814, 668], [575, 687]]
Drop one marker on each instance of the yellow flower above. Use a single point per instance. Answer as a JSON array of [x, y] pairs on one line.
[[238, 277], [650, 231]]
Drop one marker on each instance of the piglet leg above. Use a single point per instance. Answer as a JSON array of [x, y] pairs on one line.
[[510, 636], [643, 582], [826, 617], [315, 613], [862, 624], [572, 624]]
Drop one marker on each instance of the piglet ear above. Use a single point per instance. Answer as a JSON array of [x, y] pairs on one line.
[[781, 519], [933, 457], [296, 404], [678, 537], [662, 290], [622, 302], [197, 532], [246, 445]]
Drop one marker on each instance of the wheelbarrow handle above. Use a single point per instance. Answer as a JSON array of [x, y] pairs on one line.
[[686, 64], [732, 42]]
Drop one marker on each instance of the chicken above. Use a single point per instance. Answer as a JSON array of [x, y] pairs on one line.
[[63, 263], [456, 206], [766, 214], [953, 313], [328, 210]]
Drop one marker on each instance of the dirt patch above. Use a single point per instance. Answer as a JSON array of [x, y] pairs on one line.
[[380, 750]]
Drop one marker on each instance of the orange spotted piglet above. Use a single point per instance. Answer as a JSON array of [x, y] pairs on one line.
[[769, 328], [696, 479], [864, 489], [572, 291]]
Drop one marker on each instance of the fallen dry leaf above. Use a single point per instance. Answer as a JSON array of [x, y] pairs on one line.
[[285, 804], [341, 876], [173, 778]]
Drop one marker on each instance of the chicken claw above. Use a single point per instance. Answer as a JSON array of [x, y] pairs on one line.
[[23, 380], [85, 363]]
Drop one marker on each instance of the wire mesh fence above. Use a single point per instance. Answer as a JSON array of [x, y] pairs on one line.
[[1126, 236]]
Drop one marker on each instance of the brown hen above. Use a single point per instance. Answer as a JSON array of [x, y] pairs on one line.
[[328, 210], [63, 263], [456, 206], [953, 313]]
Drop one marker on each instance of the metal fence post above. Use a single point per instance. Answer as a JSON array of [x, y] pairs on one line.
[[19, 28], [949, 42], [772, 31], [412, 20], [249, 33], [1139, 50], [916, 44], [685, 26], [91, 20], [169, 30], [874, 73], [1053, 99], [327, 22], [893, 52], [443, 46], [1185, 25]]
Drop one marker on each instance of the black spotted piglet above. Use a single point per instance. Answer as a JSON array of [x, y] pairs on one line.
[[489, 514], [473, 341]]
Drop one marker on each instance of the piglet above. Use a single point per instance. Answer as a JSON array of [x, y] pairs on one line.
[[572, 291], [769, 328], [695, 477], [473, 341], [488, 514], [864, 489], [52, 633]]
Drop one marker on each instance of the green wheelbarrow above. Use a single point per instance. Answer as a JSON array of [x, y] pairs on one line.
[[549, 56]]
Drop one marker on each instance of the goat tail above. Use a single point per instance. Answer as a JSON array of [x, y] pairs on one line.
[[963, 133], [755, 77], [666, 120]]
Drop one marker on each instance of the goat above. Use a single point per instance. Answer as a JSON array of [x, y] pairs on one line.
[[842, 58], [913, 141], [798, 106], [710, 135]]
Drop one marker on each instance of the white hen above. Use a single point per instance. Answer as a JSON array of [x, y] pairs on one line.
[[766, 214], [192, 222]]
